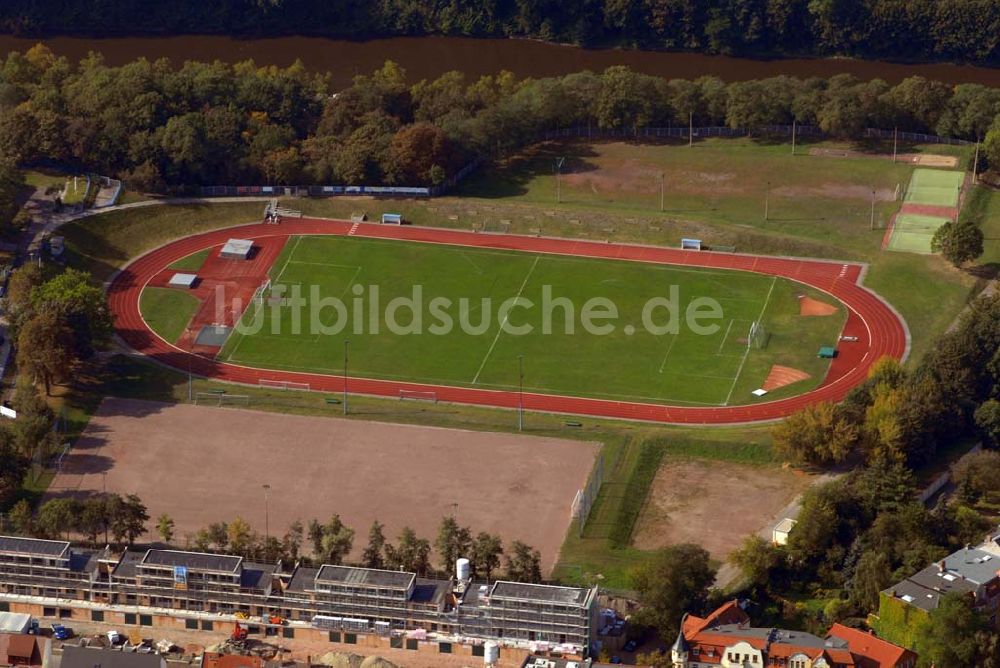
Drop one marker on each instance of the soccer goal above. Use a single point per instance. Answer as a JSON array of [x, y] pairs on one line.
[[283, 385], [757, 338], [418, 395], [221, 399]]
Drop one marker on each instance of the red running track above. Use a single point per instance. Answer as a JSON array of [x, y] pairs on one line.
[[880, 331]]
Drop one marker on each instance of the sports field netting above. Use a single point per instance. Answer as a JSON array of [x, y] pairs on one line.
[[936, 187], [913, 232], [636, 365]]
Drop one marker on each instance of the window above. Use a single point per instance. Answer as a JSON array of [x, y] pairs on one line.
[[412, 643], [130, 618], [191, 624], [444, 648], [287, 632], [207, 625], [351, 638], [478, 650], [334, 636], [4, 606], [145, 620], [48, 612], [97, 615]]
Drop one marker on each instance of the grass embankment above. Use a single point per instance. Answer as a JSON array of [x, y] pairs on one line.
[[982, 207], [167, 311], [105, 242]]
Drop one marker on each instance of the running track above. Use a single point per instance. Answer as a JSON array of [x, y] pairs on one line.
[[880, 331]]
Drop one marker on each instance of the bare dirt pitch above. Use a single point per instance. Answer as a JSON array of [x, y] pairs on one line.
[[714, 504], [201, 465]]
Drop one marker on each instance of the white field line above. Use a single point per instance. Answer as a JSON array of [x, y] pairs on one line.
[[670, 347], [500, 328], [739, 370], [726, 336]]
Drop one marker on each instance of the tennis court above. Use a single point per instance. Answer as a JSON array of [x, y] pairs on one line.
[[936, 187], [913, 232]]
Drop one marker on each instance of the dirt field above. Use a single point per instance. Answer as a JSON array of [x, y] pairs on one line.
[[200, 465], [714, 504]]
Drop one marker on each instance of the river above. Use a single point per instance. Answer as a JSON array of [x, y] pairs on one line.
[[428, 57]]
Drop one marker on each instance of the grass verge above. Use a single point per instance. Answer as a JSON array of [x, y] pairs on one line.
[[167, 311]]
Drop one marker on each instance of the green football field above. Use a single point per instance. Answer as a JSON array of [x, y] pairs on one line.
[[628, 363]]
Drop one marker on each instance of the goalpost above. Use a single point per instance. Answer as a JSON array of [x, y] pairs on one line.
[[221, 399], [757, 338], [283, 385], [419, 395]]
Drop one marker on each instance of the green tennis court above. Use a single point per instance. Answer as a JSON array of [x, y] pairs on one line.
[[913, 232], [936, 187]]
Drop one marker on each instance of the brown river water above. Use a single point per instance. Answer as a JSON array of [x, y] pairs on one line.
[[428, 57]]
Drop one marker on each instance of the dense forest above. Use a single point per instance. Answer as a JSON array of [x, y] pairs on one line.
[[162, 127], [964, 30]]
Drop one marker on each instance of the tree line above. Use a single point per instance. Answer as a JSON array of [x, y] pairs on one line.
[[915, 29], [162, 127]]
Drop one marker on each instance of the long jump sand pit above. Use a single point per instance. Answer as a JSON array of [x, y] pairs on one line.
[[201, 465], [714, 504]]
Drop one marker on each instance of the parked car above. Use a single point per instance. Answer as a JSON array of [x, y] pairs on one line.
[[616, 659], [60, 632], [115, 638]]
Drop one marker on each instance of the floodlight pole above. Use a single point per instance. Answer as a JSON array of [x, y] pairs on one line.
[[975, 165], [895, 136], [520, 392], [767, 196], [559, 164], [663, 187], [873, 209], [347, 344], [690, 129], [793, 136], [267, 527]]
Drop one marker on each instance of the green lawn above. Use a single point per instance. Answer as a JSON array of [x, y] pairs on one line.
[[192, 262], [718, 181], [983, 208], [628, 361], [81, 192], [167, 311]]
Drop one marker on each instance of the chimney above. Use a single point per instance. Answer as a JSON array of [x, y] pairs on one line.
[[941, 566]]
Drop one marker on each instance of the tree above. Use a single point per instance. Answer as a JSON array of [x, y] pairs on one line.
[[93, 518], [411, 553], [128, 518], [817, 434], [20, 518], [57, 517], [884, 486], [82, 305], [414, 153], [486, 553], [672, 582], [373, 555], [524, 563], [872, 574], [241, 537], [978, 474], [44, 348], [316, 533], [959, 242], [757, 559], [13, 466], [988, 420], [338, 539], [218, 535], [953, 639], [452, 542], [292, 542], [165, 527]]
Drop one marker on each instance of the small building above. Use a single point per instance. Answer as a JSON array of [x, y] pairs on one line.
[[779, 534], [237, 249], [186, 281], [14, 622], [88, 657], [24, 650]]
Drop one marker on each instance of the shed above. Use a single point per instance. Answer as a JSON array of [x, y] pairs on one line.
[[827, 352], [14, 622], [392, 219], [183, 281], [779, 535], [237, 249]]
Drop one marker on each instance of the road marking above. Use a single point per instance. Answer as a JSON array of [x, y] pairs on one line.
[[500, 328]]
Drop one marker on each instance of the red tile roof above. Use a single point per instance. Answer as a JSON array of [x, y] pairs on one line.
[[868, 646]]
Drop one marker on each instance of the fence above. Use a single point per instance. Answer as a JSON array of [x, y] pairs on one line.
[[332, 191], [584, 501], [681, 132]]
